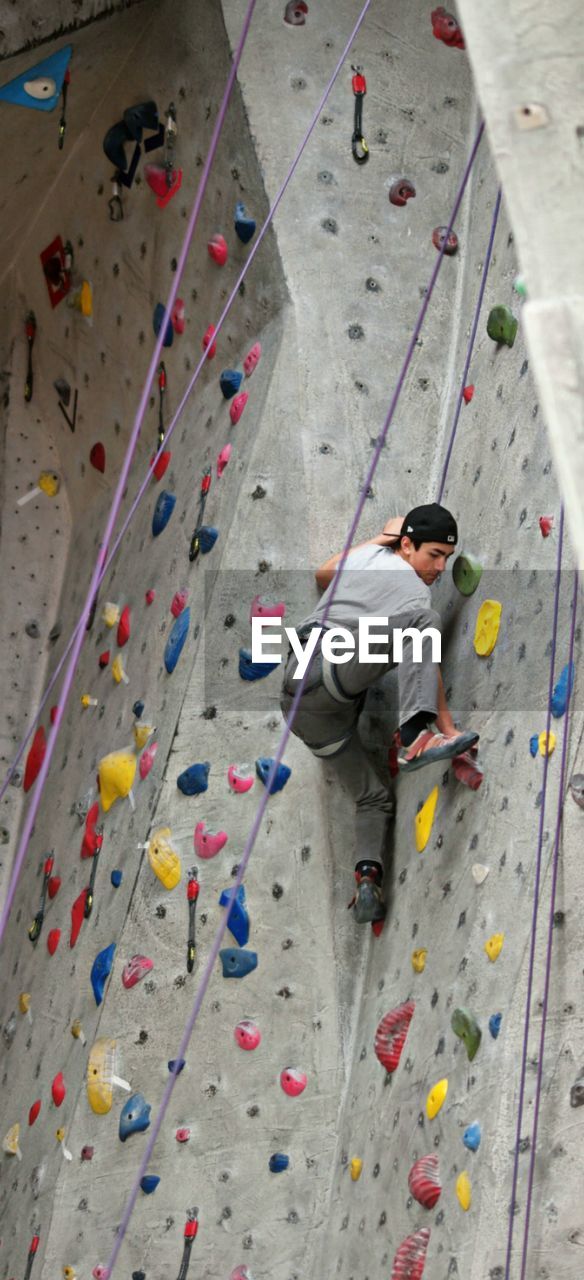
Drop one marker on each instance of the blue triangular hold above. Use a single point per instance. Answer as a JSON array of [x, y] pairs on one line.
[[250, 670], [44, 81]]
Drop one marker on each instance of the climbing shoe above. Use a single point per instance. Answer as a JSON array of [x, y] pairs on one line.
[[369, 907], [430, 746]]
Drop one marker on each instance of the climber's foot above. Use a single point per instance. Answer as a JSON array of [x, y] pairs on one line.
[[430, 746], [368, 905]]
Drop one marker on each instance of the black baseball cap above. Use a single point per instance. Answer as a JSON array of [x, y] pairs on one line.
[[430, 523]]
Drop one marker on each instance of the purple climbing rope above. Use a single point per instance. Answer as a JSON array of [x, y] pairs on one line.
[[548, 963], [251, 839], [535, 898], [78, 635], [473, 335]]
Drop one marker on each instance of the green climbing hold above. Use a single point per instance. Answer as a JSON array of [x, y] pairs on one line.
[[465, 1025], [466, 573], [502, 325], [520, 286]]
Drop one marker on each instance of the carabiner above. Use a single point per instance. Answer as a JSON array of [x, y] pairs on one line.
[[359, 146], [115, 206]]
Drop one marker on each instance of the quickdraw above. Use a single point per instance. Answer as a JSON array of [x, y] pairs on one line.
[[63, 120], [358, 144], [161, 391], [191, 1228], [193, 888], [196, 538]]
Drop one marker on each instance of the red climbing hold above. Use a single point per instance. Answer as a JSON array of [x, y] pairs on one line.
[[438, 237], [92, 840], [294, 13], [178, 315], [401, 191], [179, 600], [161, 464], [150, 595], [391, 1033], [217, 247], [468, 394], [77, 917], [466, 769], [424, 1181], [53, 886], [34, 758], [446, 28], [158, 177], [58, 1089], [104, 659], [410, 1259], [53, 941], [208, 345], [237, 406], [97, 457], [34, 1111], [53, 714], [124, 627], [546, 525]]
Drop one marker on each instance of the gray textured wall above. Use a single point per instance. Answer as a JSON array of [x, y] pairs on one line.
[[317, 403], [25, 25]]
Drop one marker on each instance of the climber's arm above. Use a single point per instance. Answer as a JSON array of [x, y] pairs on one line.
[[326, 572]]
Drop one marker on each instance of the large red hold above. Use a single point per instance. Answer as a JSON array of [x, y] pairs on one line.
[[410, 1259], [160, 466], [35, 758], [124, 627], [92, 839], [391, 1033], [424, 1181], [58, 1089], [77, 916]]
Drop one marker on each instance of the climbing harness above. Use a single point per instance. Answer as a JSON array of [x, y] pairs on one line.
[[358, 144], [196, 538], [63, 119]]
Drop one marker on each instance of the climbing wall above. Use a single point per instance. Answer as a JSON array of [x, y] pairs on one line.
[[295, 1123]]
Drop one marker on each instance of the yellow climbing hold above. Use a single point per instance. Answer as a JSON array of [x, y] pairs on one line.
[[487, 627], [436, 1098], [550, 743], [10, 1143], [24, 1002], [49, 483], [464, 1191], [419, 960], [77, 1031], [110, 614], [494, 946], [116, 774], [69, 1273], [100, 1075], [163, 859], [118, 672], [142, 732], [424, 820], [356, 1168], [88, 701]]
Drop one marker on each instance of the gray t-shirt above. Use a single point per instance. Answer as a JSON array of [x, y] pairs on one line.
[[375, 582]]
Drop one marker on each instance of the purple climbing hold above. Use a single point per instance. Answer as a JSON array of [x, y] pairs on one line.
[[263, 767]]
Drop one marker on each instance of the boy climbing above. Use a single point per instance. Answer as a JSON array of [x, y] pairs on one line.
[[386, 579]]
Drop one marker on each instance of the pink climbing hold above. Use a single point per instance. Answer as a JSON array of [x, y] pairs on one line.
[[53, 941], [391, 1033], [237, 406], [178, 315], [147, 760], [208, 843], [293, 1081], [410, 1259], [223, 459], [217, 248], [179, 600], [97, 456], [182, 1135], [100, 1273], [424, 1181], [239, 778], [261, 608], [295, 13], [135, 970], [160, 465], [247, 1034], [150, 596], [208, 345], [468, 394], [252, 359], [124, 627], [58, 1089], [546, 524]]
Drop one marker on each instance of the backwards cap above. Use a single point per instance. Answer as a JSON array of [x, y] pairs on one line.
[[430, 523]]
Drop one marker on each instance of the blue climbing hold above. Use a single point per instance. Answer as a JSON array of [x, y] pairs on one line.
[[134, 1117], [239, 919], [208, 535], [163, 510], [249, 670], [472, 1137], [495, 1024], [263, 766], [563, 690], [176, 639], [230, 381], [278, 1162], [176, 1063], [39, 86], [138, 709], [237, 963], [116, 878], [149, 1183], [101, 969], [534, 744], [158, 320], [244, 226], [194, 779]]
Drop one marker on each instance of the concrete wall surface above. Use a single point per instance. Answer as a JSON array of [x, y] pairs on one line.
[[332, 296]]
